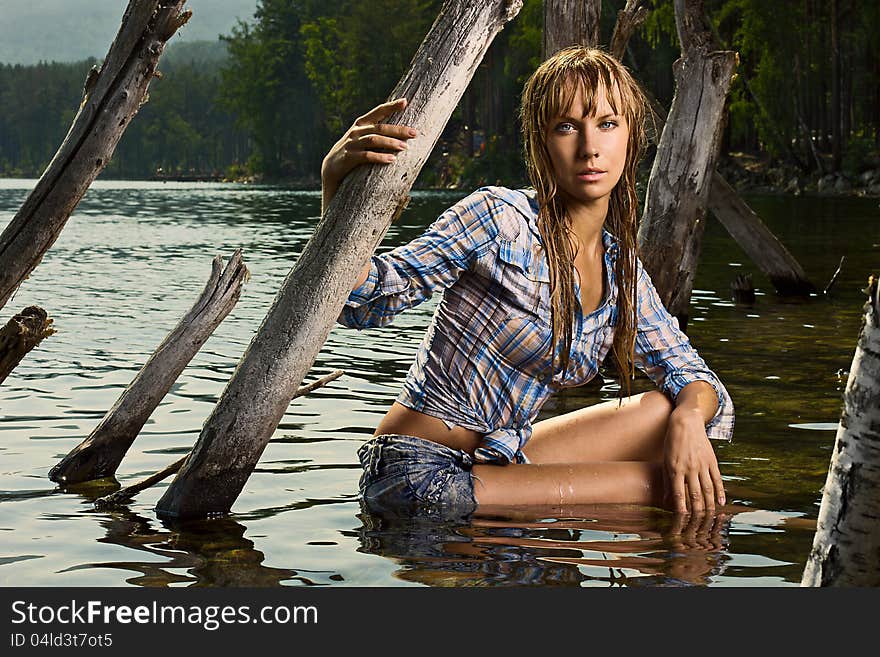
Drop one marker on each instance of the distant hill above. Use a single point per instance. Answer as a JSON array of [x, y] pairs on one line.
[[73, 30], [194, 52]]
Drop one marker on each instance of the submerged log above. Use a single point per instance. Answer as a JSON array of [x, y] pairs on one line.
[[125, 494], [21, 334], [570, 23], [315, 290], [758, 241], [673, 221], [846, 547], [112, 96], [101, 453], [740, 221]]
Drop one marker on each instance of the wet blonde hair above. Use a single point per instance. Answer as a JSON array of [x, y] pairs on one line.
[[549, 93]]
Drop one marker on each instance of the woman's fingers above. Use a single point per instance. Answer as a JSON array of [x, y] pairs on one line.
[[678, 495], [381, 111], [708, 491], [402, 132], [718, 482], [695, 493], [374, 142]]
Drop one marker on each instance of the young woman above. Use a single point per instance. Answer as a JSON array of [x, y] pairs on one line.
[[538, 287]]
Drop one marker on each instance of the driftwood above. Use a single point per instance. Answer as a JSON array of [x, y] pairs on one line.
[[673, 221], [101, 453], [828, 287], [629, 18], [125, 494], [742, 289], [740, 221], [21, 334], [758, 241], [846, 547], [313, 294], [569, 23], [112, 96]]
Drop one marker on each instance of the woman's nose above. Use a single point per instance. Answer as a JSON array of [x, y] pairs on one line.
[[587, 145]]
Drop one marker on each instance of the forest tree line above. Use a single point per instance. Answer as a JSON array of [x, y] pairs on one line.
[[269, 99]]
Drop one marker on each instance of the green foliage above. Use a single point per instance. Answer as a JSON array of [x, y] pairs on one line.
[[270, 98], [659, 26]]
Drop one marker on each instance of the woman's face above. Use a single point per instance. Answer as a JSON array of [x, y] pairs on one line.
[[588, 152]]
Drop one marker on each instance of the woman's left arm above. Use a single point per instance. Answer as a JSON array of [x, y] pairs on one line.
[[703, 408], [692, 476]]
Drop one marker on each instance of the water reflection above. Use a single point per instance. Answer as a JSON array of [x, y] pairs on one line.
[[575, 546], [140, 252], [206, 553]]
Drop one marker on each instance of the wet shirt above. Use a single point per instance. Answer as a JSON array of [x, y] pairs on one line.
[[484, 363]]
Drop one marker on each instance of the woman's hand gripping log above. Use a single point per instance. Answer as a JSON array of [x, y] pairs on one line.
[[367, 141]]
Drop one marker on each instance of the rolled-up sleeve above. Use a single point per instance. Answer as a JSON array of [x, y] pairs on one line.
[[666, 355], [409, 274]]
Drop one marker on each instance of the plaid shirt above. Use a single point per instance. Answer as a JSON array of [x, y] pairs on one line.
[[484, 362]]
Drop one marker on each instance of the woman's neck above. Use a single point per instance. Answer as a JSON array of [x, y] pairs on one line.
[[587, 222]]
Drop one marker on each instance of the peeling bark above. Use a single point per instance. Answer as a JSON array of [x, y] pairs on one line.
[[312, 295], [846, 547], [673, 221], [21, 334], [100, 454]]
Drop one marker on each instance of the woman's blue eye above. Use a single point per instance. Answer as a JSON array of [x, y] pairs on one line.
[[565, 127], [608, 123]]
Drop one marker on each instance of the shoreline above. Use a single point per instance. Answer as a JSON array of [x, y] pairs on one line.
[[747, 174]]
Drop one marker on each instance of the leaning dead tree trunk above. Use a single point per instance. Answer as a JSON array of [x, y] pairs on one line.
[[846, 548], [112, 96], [21, 334], [124, 495], [570, 23], [101, 453], [312, 296], [672, 225], [740, 221], [758, 241]]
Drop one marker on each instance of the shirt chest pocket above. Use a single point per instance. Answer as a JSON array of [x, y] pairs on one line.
[[524, 275]]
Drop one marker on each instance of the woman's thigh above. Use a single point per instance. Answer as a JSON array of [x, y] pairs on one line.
[[621, 482], [632, 431]]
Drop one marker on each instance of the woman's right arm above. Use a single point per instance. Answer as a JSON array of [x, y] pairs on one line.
[[367, 141], [409, 274]]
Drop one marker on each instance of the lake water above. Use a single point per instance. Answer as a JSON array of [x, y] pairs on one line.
[[134, 257]]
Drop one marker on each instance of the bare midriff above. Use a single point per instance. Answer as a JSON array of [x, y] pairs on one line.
[[402, 420]]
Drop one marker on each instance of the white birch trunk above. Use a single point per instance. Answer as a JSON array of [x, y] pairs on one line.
[[846, 548]]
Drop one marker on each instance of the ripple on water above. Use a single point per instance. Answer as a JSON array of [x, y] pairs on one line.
[[135, 257]]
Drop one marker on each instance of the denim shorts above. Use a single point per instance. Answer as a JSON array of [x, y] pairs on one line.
[[409, 476]]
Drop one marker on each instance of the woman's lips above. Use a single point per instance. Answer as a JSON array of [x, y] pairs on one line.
[[590, 176]]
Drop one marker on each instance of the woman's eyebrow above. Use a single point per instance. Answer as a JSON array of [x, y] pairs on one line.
[[566, 116]]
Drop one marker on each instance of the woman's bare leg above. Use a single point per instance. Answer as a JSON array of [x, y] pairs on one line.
[[609, 453], [621, 482], [633, 431]]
